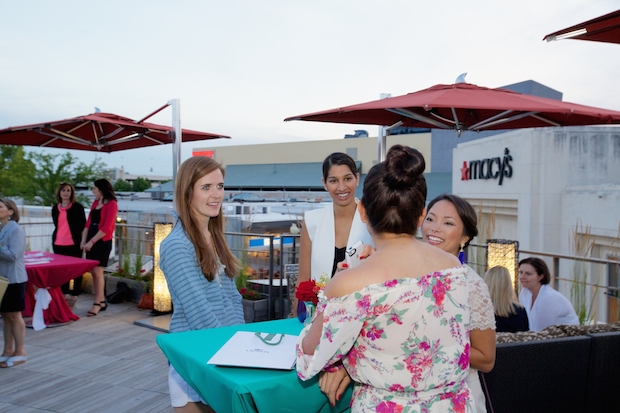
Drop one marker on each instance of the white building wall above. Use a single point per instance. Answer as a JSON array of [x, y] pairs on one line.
[[557, 173], [317, 151], [565, 184]]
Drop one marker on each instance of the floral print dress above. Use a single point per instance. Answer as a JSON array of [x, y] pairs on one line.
[[404, 342]]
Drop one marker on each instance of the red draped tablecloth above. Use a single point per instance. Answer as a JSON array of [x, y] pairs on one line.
[[47, 270]]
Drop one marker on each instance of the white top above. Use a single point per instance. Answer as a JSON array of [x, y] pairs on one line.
[[321, 230], [550, 308]]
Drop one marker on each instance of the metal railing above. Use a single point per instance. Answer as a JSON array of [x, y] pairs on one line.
[[267, 254], [588, 288]]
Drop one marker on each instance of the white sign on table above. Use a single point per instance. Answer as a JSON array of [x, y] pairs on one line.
[[257, 350]]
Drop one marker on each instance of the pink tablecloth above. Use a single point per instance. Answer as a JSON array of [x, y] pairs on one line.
[[47, 270]]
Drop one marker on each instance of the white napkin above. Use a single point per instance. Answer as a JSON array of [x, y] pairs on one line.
[[43, 299]]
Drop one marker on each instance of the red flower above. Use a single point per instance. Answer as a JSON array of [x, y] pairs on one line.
[[306, 292]]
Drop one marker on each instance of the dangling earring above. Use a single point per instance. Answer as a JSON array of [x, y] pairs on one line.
[[462, 254]]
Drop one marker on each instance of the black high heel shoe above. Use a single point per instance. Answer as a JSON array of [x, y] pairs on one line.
[[103, 305], [92, 313]]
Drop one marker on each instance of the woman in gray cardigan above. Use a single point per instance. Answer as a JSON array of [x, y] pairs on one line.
[[12, 249]]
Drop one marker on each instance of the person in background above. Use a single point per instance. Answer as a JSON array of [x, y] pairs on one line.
[[69, 221], [510, 316], [97, 238], [327, 232], [12, 250], [199, 266], [544, 305], [387, 319]]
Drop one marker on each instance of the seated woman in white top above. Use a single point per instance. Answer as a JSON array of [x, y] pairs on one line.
[[544, 305], [327, 232]]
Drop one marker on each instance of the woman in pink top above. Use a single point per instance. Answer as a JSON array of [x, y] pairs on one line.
[[69, 221], [97, 237]]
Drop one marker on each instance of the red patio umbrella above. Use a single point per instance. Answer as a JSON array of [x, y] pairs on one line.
[[601, 29], [464, 106], [103, 132]]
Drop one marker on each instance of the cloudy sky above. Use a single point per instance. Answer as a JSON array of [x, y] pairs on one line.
[[239, 67]]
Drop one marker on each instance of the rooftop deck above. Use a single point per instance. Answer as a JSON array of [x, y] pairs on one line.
[[96, 364]]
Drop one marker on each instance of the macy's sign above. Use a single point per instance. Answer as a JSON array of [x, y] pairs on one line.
[[489, 168]]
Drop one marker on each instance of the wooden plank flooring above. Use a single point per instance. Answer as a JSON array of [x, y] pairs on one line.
[[96, 364]]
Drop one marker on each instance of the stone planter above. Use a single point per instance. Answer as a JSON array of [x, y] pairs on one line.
[[255, 310]]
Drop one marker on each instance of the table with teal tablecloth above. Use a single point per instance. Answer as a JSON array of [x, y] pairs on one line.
[[234, 389]]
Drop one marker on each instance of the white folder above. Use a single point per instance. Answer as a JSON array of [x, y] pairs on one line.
[[257, 350]]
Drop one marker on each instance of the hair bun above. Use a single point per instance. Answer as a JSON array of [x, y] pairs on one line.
[[403, 165]]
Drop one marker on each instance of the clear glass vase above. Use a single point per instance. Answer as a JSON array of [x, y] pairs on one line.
[[310, 309]]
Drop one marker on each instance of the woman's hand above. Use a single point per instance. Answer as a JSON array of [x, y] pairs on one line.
[[333, 384], [367, 250], [87, 246]]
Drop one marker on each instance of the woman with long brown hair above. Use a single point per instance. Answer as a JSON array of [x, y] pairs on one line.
[[198, 265], [97, 238]]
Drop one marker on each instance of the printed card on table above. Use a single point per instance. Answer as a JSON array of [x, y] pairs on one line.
[[257, 350]]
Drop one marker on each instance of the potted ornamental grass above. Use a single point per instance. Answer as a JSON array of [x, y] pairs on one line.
[[255, 306]]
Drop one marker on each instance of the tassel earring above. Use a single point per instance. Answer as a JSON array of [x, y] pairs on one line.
[[462, 254]]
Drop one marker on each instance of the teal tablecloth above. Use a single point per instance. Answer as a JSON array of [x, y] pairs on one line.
[[233, 389]]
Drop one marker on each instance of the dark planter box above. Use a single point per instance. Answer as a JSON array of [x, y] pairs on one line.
[[255, 310]]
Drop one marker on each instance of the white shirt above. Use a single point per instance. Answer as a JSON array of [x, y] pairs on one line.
[[550, 308]]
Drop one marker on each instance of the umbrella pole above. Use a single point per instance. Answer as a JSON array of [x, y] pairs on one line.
[[381, 136], [381, 142], [177, 138]]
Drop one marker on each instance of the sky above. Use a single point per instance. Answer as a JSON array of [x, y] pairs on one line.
[[239, 67]]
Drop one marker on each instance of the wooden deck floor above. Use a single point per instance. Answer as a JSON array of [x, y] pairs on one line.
[[96, 364]]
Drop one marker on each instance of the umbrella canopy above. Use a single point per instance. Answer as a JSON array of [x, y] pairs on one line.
[[602, 29], [464, 106], [103, 132]]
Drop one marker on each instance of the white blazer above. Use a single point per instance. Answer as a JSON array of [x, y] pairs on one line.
[[321, 230]]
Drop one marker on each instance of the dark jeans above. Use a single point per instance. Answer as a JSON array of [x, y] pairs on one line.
[[71, 251]]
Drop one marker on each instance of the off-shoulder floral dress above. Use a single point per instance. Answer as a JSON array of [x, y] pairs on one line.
[[404, 342]]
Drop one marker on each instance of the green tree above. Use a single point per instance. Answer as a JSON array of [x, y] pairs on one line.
[[141, 184], [54, 169], [15, 169], [122, 185]]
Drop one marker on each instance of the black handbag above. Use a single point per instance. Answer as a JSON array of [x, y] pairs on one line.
[[122, 293]]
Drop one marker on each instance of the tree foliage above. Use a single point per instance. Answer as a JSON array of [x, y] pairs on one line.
[[141, 184], [121, 185], [15, 169], [35, 176]]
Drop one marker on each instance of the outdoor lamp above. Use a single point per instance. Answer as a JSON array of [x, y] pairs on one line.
[[505, 253], [161, 296]]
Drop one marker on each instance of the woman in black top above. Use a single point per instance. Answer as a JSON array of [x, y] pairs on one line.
[[510, 316], [69, 220]]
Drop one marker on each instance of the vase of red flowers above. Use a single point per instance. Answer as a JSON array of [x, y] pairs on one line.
[[307, 299]]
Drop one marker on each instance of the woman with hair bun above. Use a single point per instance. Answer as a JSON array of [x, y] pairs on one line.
[[398, 322]]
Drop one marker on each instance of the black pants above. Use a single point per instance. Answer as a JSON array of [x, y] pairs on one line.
[[71, 251]]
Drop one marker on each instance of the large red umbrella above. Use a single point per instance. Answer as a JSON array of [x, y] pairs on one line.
[[103, 132], [601, 29], [464, 106]]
